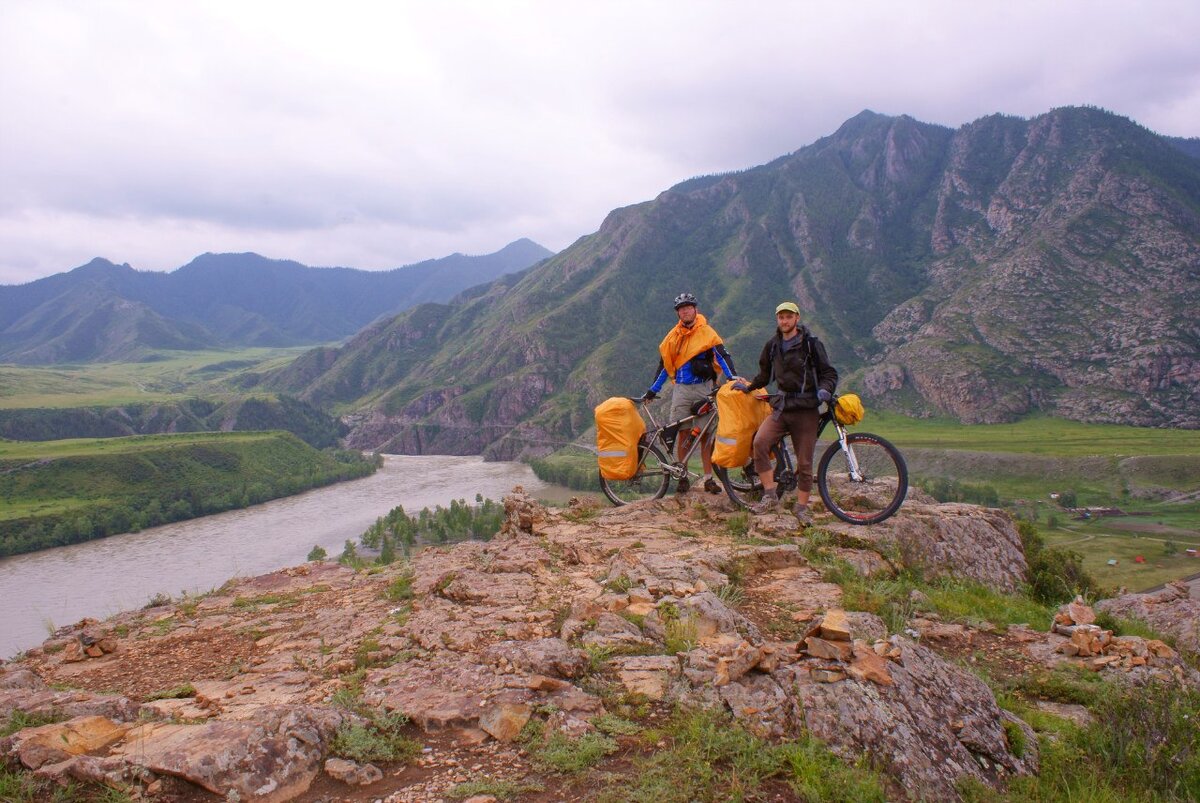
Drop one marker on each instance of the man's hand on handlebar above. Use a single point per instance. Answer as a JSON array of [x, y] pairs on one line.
[[649, 396], [824, 395]]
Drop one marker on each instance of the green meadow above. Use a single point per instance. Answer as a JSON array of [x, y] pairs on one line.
[[174, 374]]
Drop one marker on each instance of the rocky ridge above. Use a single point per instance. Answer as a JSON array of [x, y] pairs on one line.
[[1004, 268], [559, 618]]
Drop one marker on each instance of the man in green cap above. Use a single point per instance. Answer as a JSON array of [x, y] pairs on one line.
[[796, 361]]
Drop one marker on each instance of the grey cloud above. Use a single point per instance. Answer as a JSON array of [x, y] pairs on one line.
[[375, 137]]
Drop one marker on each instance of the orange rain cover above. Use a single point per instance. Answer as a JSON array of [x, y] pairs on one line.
[[619, 427], [738, 417]]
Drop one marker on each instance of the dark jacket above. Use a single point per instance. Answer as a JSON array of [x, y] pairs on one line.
[[797, 372]]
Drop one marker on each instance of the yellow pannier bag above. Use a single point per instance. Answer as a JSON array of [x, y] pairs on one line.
[[738, 417], [619, 427], [849, 409]]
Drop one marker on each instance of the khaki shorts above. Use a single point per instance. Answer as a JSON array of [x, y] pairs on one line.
[[684, 396]]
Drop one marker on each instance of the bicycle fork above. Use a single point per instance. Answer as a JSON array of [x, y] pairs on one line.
[[851, 460]]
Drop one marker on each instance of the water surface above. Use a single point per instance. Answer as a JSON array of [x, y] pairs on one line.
[[55, 587]]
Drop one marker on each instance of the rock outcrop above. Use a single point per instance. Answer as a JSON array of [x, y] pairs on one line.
[[1174, 611], [563, 612]]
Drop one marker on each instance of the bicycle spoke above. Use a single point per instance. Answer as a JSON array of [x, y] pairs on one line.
[[865, 485]]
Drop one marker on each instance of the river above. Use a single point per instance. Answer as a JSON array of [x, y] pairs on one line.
[[54, 587]]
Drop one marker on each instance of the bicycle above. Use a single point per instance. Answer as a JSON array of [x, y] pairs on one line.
[[862, 478], [655, 469]]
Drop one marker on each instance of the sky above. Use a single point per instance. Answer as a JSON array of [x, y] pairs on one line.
[[375, 135]]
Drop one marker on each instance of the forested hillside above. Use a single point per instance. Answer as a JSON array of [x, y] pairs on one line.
[[63, 492]]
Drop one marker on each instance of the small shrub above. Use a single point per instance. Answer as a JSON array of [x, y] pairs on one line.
[[317, 553], [497, 788], [349, 556], [681, 635], [596, 658], [1015, 737], [158, 600], [738, 524], [1129, 627], [1066, 684], [401, 588], [815, 773], [709, 757], [377, 739], [560, 753], [731, 594], [176, 693], [613, 725], [1055, 575], [619, 585], [19, 720]]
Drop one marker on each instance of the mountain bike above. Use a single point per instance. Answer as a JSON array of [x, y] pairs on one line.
[[656, 468], [861, 477]]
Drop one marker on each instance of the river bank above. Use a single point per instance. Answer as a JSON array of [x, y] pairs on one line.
[[50, 588]]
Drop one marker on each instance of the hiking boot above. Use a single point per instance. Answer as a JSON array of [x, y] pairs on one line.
[[768, 504], [712, 486], [683, 486], [803, 515]]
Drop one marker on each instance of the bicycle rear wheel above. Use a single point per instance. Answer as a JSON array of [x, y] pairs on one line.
[[650, 482], [871, 494], [742, 484]]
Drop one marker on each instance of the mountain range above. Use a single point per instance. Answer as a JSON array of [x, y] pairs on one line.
[[107, 312], [1007, 267]]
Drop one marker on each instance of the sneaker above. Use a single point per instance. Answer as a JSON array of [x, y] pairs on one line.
[[712, 486], [769, 503], [683, 486], [803, 515]]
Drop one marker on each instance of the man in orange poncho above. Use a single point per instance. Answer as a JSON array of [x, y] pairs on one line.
[[689, 356]]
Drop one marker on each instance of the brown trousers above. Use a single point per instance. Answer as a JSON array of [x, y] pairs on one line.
[[802, 426]]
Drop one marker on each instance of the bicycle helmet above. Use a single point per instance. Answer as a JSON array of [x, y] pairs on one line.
[[683, 299]]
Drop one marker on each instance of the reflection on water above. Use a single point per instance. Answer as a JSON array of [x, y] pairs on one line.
[[55, 587]]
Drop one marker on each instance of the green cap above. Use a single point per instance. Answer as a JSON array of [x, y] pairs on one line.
[[787, 306]]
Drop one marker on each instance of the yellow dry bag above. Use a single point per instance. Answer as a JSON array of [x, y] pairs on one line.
[[619, 427], [738, 417], [849, 409]]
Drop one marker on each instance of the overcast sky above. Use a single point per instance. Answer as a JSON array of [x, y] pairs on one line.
[[374, 135]]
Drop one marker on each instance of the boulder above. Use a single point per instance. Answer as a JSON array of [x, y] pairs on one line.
[[47, 744], [547, 656], [950, 540], [273, 757], [1172, 611], [504, 719], [647, 675], [931, 726], [350, 772]]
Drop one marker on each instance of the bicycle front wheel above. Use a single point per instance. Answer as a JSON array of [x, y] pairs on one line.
[[742, 484], [650, 482], [864, 483]]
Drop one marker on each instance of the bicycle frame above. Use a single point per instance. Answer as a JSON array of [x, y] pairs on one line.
[[678, 466], [825, 420]]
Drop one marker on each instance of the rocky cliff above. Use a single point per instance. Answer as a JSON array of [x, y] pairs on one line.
[[1006, 267], [566, 619]]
